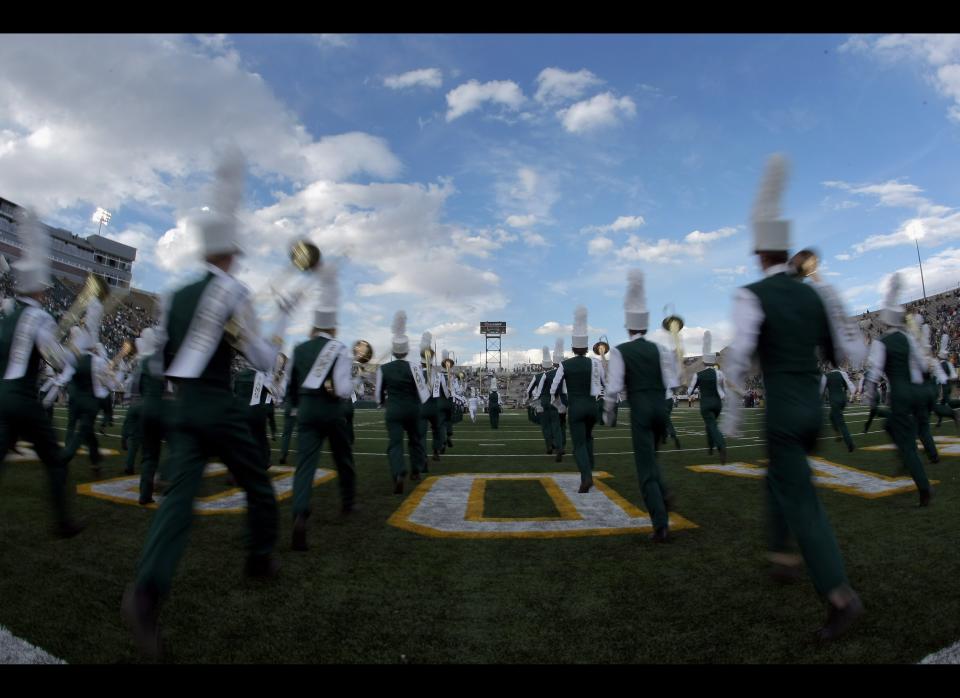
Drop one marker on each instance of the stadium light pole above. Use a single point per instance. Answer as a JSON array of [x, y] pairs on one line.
[[101, 216], [916, 231]]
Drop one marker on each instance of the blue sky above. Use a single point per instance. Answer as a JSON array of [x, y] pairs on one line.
[[469, 178]]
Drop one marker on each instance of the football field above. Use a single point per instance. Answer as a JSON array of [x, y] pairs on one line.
[[494, 557]]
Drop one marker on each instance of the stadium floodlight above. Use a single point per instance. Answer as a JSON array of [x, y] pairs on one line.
[[101, 216]]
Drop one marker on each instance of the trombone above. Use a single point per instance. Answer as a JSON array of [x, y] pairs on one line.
[[805, 263], [94, 288], [448, 363]]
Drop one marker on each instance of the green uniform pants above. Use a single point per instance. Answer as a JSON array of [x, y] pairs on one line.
[[839, 423], [432, 415], [670, 432], [710, 411], [84, 434], [289, 422], [647, 425], [793, 420], [131, 431], [317, 423], [902, 426], [257, 420], [206, 422], [348, 416], [495, 417], [71, 418], [22, 416], [552, 432], [583, 417], [400, 420], [924, 410], [151, 436]]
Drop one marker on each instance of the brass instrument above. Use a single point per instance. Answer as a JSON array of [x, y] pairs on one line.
[[448, 363], [126, 350], [427, 356], [93, 288], [306, 257], [602, 347], [673, 324], [806, 262]]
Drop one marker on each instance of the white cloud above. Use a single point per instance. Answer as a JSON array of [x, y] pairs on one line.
[[693, 245], [933, 224], [556, 85], [732, 271], [334, 40], [527, 190], [939, 53], [599, 246], [521, 221], [555, 328], [424, 77], [597, 112], [691, 338], [843, 257], [482, 243], [472, 94], [535, 240], [622, 223], [148, 111], [449, 328]]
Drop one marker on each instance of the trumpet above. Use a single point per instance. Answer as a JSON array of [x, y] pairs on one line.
[[673, 324], [427, 356]]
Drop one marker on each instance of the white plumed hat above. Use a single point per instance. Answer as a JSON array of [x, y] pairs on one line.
[[635, 302], [546, 362], [558, 350], [770, 232], [893, 313], [579, 328], [217, 228], [32, 270], [709, 357], [401, 343], [325, 315]]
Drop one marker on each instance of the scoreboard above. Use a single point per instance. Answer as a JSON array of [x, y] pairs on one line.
[[493, 328]]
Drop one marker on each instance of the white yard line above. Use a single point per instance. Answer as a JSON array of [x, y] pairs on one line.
[[948, 655], [13, 650]]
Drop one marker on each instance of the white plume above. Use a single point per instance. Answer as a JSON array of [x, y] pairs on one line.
[[35, 239], [546, 353], [399, 326], [580, 321], [767, 205], [230, 175], [636, 298], [707, 342], [329, 287], [426, 341], [558, 350], [893, 291]]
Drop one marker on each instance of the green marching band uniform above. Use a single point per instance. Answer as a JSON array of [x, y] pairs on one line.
[[249, 389], [671, 431], [431, 413], [402, 388], [711, 385], [900, 356], [838, 386], [785, 321], [578, 382], [149, 388], [493, 404], [553, 432], [645, 370], [933, 377], [532, 416], [28, 336], [876, 407], [321, 383], [88, 390], [946, 406], [448, 398], [206, 419]]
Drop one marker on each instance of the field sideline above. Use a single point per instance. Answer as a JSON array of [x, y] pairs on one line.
[[370, 591]]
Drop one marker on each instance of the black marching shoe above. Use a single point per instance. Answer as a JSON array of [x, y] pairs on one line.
[[414, 477], [676, 442], [585, 486], [299, 541], [559, 458], [669, 501], [140, 609], [660, 535], [851, 448], [723, 455], [925, 497], [262, 566], [436, 454], [450, 443], [839, 620], [283, 460], [398, 485]]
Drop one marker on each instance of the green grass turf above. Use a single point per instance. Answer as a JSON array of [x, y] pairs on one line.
[[369, 592]]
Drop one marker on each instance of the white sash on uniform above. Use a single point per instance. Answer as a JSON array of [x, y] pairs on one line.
[[257, 388], [220, 298], [596, 385], [23, 340], [418, 378], [539, 388], [322, 365]]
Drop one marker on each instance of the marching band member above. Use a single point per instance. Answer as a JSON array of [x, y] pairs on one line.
[[709, 382], [946, 407], [402, 387], [541, 404], [472, 404], [89, 391], [785, 321], [837, 384], [431, 412], [206, 420], [645, 370], [493, 404], [320, 387], [579, 381], [27, 336]]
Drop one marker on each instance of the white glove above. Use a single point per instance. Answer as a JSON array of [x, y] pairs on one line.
[[51, 396]]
